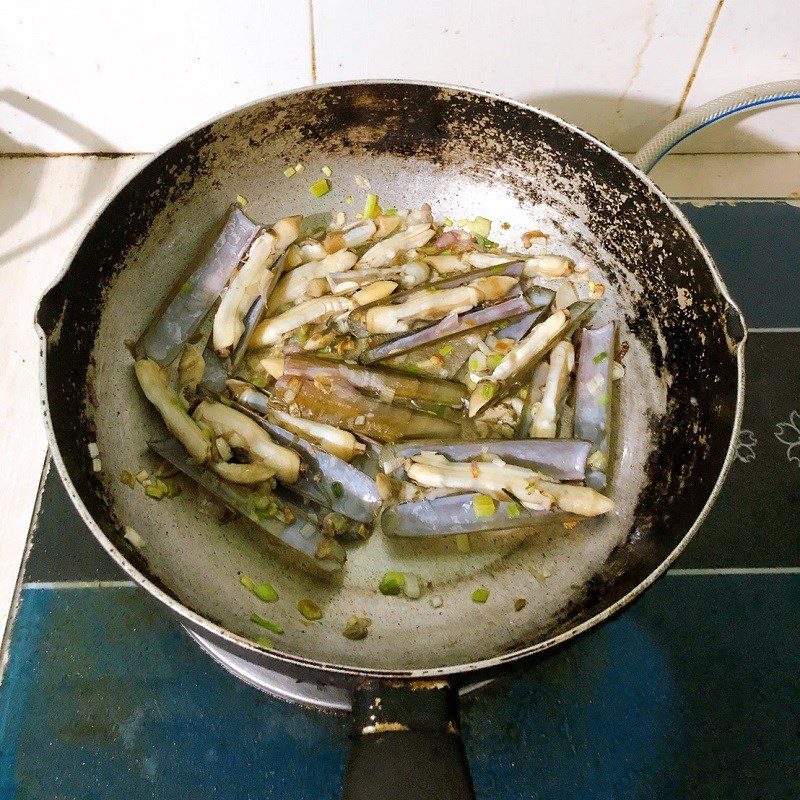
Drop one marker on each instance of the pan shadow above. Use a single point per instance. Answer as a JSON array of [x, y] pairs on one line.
[[19, 204]]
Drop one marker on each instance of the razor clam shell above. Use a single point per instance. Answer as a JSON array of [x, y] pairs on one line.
[[512, 269], [289, 534], [360, 499], [580, 312], [253, 316], [451, 515], [400, 384], [560, 459], [165, 337], [446, 329], [591, 413]]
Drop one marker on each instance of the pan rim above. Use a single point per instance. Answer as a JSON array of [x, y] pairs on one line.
[[282, 660]]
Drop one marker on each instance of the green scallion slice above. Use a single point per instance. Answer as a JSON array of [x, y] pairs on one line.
[[483, 505], [320, 188], [371, 206], [600, 357], [480, 595], [263, 591], [309, 609], [266, 623], [392, 583]]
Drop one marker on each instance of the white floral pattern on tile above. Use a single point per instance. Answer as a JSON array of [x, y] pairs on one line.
[[789, 434], [746, 446]]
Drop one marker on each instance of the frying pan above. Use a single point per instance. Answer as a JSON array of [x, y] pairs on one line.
[[468, 153]]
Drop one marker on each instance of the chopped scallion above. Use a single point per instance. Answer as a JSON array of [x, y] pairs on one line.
[[480, 595], [263, 641], [481, 226], [445, 350], [357, 628], [327, 171], [242, 201], [483, 505], [309, 609], [320, 188], [289, 171], [600, 357], [263, 591], [513, 511], [371, 206], [488, 391], [266, 623], [493, 361], [392, 583], [462, 543], [298, 167], [337, 489], [392, 212]]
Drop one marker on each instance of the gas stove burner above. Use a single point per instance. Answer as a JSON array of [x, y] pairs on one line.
[[314, 695]]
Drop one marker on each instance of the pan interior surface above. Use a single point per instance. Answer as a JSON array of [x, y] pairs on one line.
[[467, 154]]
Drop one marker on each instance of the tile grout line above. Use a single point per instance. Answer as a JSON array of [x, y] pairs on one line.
[[73, 154], [700, 572], [698, 61], [734, 571], [313, 42]]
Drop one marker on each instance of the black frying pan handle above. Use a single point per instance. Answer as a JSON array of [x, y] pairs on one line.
[[406, 744]]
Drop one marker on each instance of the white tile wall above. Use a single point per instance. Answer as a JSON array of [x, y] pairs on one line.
[[40, 222], [132, 75], [617, 69], [752, 43]]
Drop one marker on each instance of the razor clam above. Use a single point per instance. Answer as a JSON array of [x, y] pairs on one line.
[[355, 494], [409, 274], [384, 252], [256, 277], [340, 443], [480, 320], [339, 404], [500, 480], [292, 286], [455, 514], [253, 316], [301, 534], [522, 360], [561, 365], [355, 320], [580, 313], [560, 459], [380, 381], [593, 389], [239, 429], [191, 301], [153, 381]]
